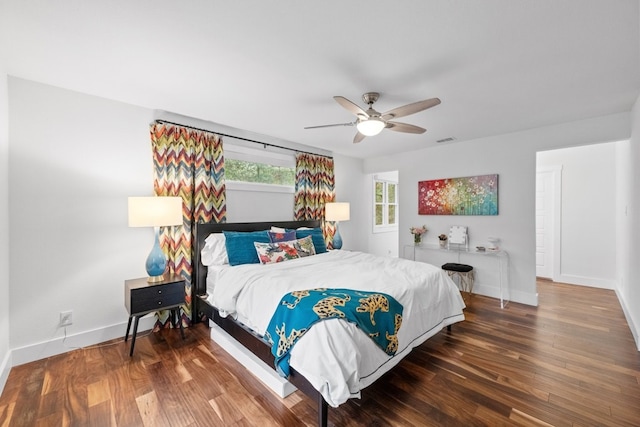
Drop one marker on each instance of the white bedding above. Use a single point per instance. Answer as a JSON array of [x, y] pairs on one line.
[[334, 355]]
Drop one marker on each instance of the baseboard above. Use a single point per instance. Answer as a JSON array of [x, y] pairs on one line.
[[627, 315], [585, 281], [257, 367], [72, 342], [5, 368]]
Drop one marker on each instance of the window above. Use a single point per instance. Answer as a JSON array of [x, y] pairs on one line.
[[252, 169], [245, 171], [385, 210]]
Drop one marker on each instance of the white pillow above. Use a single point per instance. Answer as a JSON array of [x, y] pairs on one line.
[[215, 250]]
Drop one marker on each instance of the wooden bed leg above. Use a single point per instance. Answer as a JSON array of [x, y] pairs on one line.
[[322, 411]]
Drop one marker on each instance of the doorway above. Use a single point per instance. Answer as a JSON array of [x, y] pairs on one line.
[[576, 215]]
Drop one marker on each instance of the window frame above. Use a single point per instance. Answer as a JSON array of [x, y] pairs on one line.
[[385, 227], [253, 155]]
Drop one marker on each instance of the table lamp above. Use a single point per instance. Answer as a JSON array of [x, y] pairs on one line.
[[155, 212], [336, 212]]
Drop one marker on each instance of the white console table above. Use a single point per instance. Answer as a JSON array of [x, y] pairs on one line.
[[501, 257]]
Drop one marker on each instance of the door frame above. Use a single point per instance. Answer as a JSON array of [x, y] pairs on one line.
[[555, 228]]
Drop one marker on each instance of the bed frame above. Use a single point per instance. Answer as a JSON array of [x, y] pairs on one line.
[[203, 310]]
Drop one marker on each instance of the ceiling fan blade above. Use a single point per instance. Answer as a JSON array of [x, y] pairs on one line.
[[329, 126], [350, 106], [405, 127], [408, 109], [359, 137]]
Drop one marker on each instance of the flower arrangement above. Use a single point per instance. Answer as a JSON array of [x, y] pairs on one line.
[[417, 233]]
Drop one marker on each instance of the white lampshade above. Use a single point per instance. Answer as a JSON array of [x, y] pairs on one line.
[[370, 127], [155, 211], [336, 211]]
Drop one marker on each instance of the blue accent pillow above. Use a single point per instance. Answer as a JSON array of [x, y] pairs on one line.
[[287, 236], [316, 236], [240, 248]]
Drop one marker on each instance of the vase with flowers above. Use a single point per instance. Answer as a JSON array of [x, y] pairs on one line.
[[417, 234], [443, 240]]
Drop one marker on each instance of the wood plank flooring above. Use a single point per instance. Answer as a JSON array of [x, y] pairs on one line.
[[569, 362]]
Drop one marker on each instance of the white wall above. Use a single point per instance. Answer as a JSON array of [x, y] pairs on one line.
[[628, 226], [74, 160], [513, 157], [588, 213], [248, 206], [628, 267], [351, 186], [5, 354]]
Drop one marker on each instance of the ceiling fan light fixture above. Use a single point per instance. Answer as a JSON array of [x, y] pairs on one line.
[[371, 126], [371, 122]]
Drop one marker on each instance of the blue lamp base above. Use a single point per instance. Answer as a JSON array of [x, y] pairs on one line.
[[337, 239], [156, 261]]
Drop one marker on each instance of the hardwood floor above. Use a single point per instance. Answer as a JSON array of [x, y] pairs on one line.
[[569, 362]]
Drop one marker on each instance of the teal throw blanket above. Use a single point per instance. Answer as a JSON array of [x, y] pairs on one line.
[[378, 315]]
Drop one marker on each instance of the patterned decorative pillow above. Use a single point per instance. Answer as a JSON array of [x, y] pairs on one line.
[[283, 251], [284, 236], [317, 236]]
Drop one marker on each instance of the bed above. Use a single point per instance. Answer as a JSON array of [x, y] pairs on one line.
[[334, 360]]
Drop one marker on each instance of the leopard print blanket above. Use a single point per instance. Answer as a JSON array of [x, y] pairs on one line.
[[376, 314]]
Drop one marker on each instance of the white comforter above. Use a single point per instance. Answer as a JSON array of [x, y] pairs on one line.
[[335, 356]]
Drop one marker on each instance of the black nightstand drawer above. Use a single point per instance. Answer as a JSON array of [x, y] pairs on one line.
[[141, 297], [157, 297]]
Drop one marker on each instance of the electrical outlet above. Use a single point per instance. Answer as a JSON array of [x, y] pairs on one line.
[[66, 318]]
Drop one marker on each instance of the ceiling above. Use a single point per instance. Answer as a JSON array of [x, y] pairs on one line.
[[272, 67]]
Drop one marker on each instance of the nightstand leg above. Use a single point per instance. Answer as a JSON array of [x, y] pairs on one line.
[[180, 322], [126, 337], [133, 338], [175, 317]]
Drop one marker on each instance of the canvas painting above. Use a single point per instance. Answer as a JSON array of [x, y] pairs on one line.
[[473, 195]]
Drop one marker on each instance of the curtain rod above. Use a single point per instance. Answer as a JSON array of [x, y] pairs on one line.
[[241, 138]]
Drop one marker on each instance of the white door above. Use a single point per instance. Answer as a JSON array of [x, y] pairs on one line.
[[548, 217], [544, 224]]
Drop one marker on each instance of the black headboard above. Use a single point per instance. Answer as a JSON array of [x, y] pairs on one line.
[[199, 276]]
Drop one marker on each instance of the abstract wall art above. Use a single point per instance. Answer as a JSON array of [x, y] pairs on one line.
[[473, 195]]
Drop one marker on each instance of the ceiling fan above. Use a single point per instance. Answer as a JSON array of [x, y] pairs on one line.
[[371, 122]]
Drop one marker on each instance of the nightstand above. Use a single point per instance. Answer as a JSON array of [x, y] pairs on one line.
[[142, 298]]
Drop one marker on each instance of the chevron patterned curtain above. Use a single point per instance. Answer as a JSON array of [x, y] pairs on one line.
[[314, 187], [188, 163]]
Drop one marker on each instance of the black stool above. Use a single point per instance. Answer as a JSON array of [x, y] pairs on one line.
[[464, 273]]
